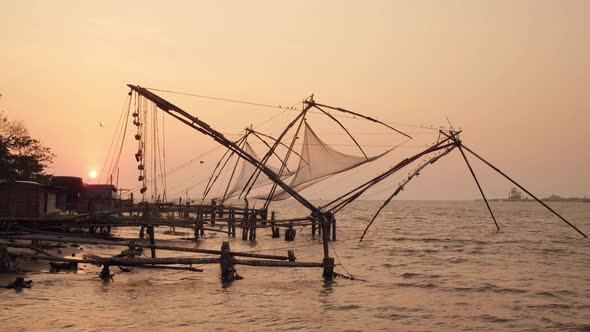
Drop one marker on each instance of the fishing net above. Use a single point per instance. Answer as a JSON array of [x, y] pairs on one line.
[[245, 172], [318, 162]]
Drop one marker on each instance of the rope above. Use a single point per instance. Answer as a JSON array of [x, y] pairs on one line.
[[165, 180], [291, 108], [115, 135], [339, 261], [218, 98], [124, 134]]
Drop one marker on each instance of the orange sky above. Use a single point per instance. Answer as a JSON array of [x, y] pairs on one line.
[[513, 74]]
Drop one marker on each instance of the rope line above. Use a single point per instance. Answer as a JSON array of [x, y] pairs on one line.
[[291, 108]]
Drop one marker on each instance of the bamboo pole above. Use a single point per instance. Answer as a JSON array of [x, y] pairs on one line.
[[276, 264], [123, 261], [402, 185], [478, 185], [159, 247], [524, 189]]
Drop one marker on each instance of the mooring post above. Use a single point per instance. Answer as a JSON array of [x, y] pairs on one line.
[[253, 227], [197, 228], [264, 215], [328, 261], [244, 229], [152, 240], [290, 233], [212, 212], [105, 274], [291, 255], [226, 263], [275, 230], [179, 208], [4, 265], [231, 225]]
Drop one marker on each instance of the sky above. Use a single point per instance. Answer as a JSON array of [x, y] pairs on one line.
[[513, 75]]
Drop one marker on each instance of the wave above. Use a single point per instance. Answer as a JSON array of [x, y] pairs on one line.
[[490, 288]]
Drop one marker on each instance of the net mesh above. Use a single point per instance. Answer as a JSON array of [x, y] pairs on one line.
[[319, 162], [245, 171]]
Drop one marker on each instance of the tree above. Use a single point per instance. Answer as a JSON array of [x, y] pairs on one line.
[[22, 157]]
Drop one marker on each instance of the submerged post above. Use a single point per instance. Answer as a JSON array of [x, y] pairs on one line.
[[228, 272], [328, 261], [152, 240], [4, 265]]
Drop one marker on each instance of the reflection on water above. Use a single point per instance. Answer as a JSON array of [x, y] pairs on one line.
[[427, 265]]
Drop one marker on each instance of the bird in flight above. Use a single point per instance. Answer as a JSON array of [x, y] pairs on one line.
[[100, 123]]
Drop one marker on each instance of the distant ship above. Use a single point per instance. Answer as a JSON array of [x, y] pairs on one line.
[[514, 195], [557, 198]]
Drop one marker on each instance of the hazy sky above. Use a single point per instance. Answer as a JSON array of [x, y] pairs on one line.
[[515, 75]]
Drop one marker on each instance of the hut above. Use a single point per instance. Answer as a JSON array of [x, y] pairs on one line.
[[73, 187], [97, 197], [27, 199]]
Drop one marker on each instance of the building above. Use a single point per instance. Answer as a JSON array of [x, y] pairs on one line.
[[73, 187], [97, 197], [27, 199]]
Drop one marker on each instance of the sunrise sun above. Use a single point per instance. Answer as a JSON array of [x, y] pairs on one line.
[[93, 174]]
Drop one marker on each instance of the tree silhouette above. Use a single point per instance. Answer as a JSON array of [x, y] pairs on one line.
[[22, 157]]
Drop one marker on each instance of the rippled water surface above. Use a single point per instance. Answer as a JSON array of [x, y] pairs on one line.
[[426, 266]]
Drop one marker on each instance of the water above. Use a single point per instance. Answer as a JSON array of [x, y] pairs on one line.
[[426, 265]]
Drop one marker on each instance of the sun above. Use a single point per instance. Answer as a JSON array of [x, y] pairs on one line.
[[93, 174]]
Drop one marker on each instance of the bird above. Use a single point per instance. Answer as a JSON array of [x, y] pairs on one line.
[[202, 161], [100, 123]]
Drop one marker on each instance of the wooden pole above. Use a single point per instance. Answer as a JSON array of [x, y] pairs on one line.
[[228, 273], [523, 189], [328, 262], [402, 185], [159, 247], [478, 185], [152, 240], [124, 261]]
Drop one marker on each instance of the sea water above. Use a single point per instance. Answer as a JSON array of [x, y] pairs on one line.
[[423, 266]]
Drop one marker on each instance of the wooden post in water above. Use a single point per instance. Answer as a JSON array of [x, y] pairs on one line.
[[333, 229], [197, 228], [187, 211], [4, 265], [244, 230], [201, 225], [264, 215], [291, 254], [213, 212], [245, 224], [152, 240], [328, 261], [290, 233], [231, 225], [228, 271], [252, 226], [179, 208], [276, 232]]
